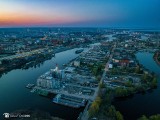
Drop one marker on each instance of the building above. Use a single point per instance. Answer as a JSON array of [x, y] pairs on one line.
[[77, 63], [110, 66], [51, 79]]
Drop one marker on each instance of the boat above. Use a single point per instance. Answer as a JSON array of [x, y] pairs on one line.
[[64, 65], [79, 51], [33, 90], [30, 86]]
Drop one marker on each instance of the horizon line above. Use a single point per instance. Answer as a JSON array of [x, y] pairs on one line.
[[147, 28]]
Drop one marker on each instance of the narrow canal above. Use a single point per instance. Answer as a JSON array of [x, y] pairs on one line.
[[142, 104], [14, 95]]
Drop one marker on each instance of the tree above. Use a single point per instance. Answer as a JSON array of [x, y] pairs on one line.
[[119, 116], [101, 85], [120, 92], [145, 78], [154, 82], [111, 111], [98, 100], [131, 90], [108, 98], [137, 69], [143, 118], [155, 117], [114, 71], [98, 77], [95, 71], [129, 84], [93, 110]]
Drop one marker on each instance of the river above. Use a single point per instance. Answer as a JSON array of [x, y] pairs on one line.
[[14, 95], [142, 104]]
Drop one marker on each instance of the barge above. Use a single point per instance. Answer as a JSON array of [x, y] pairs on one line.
[[79, 51], [69, 101], [43, 93]]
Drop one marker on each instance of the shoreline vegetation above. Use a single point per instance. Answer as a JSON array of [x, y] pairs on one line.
[[157, 57], [153, 117], [24, 62]]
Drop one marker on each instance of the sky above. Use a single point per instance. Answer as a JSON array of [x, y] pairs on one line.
[[80, 13]]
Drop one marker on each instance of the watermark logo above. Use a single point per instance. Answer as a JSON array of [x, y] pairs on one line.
[[16, 115], [6, 115]]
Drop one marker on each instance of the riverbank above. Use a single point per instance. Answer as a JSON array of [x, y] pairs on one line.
[[157, 57], [153, 117], [25, 59]]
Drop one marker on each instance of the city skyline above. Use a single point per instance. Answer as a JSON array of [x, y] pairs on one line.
[[82, 13]]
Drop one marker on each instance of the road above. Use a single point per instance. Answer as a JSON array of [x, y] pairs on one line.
[[85, 115]]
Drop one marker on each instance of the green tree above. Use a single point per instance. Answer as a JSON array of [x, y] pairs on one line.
[[131, 90], [98, 77], [154, 82], [145, 78], [140, 88], [108, 98], [155, 117], [93, 109], [98, 100], [101, 85], [143, 118], [119, 116], [95, 71], [120, 92], [111, 111], [137, 69], [128, 84]]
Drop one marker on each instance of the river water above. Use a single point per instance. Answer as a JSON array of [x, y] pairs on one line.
[[142, 104], [14, 95]]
